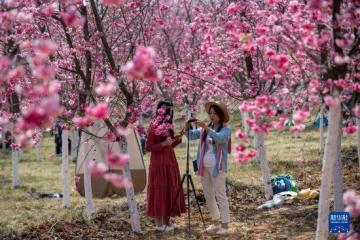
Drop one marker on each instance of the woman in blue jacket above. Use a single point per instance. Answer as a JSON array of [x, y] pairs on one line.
[[212, 164]]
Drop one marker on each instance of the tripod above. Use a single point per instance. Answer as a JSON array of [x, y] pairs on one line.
[[189, 181]]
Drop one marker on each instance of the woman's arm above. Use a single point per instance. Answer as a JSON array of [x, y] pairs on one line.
[[220, 137], [193, 134], [177, 141], [150, 145]]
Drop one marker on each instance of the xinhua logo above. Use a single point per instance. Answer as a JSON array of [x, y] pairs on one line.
[[339, 222]]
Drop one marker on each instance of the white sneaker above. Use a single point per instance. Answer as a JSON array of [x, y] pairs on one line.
[[165, 228], [169, 228], [212, 228], [161, 228], [223, 231]]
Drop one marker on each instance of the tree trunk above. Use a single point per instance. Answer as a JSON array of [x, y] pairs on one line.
[[65, 169], [74, 144], [134, 214], [259, 142], [87, 178], [3, 134], [322, 140], [38, 150], [326, 172], [15, 168], [358, 139], [338, 177], [15, 163], [244, 116]]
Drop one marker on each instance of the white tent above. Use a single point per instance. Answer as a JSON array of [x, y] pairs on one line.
[[98, 147]]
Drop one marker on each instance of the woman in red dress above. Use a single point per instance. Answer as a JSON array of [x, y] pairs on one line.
[[164, 175]]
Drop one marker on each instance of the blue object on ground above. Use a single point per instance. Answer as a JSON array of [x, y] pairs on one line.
[[325, 122]]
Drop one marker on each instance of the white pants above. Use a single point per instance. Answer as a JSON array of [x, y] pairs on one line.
[[215, 195]]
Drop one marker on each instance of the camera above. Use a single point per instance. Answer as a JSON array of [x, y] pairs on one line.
[[191, 120]]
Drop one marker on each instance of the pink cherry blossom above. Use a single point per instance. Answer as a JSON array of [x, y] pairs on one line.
[[72, 17], [49, 9], [350, 129], [349, 197], [161, 111], [240, 134], [240, 147], [100, 111], [123, 131], [44, 72], [44, 47], [97, 169], [251, 154], [106, 89], [356, 111], [111, 3], [232, 9], [282, 62], [250, 122], [331, 101], [143, 65], [278, 125], [300, 116], [164, 8], [111, 137], [82, 122], [256, 128], [117, 160], [244, 106], [341, 60], [117, 180], [297, 128], [42, 115], [270, 52]]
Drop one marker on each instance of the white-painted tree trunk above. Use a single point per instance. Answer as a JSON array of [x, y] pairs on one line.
[[15, 168], [3, 134], [326, 172], [244, 116], [74, 144], [358, 139], [38, 150], [87, 178], [259, 143], [134, 214], [321, 127], [65, 169], [15, 163], [338, 177]]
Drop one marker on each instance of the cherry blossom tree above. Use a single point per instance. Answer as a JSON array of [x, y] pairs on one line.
[[109, 60]]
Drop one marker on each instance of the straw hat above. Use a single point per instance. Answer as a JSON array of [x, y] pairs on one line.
[[222, 106]]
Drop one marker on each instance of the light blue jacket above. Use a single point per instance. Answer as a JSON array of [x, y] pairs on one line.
[[221, 140]]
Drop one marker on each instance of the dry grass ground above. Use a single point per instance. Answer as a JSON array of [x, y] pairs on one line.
[[25, 217]]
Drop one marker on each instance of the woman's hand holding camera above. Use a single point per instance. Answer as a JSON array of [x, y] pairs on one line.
[[182, 132], [202, 125], [166, 143]]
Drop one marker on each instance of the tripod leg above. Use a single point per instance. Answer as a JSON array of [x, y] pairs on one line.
[[177, 193], [188, 200], [197, 202]]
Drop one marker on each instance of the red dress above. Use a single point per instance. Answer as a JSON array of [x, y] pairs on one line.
[[164, 179]]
